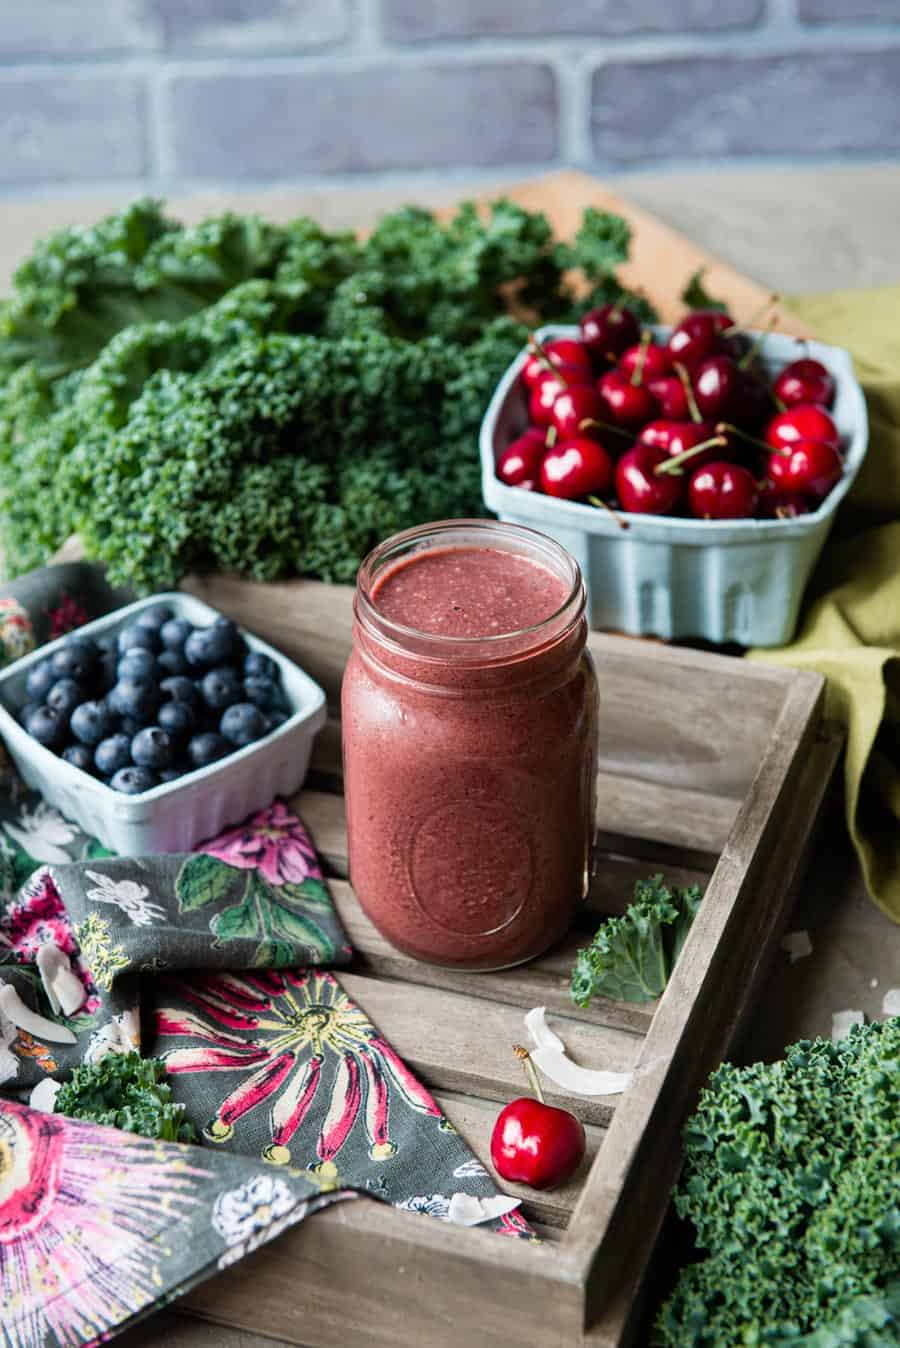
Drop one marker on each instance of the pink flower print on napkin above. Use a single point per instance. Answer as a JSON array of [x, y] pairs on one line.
[[273, 842]]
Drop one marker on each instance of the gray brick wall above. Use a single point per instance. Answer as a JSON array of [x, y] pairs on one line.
[[168, 95]]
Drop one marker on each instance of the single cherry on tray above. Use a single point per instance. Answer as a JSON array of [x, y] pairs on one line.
[[722, 491], [644, 361], [677, 436], [608, 331], [543, 396], [642, 489], [804, 381], [575, 405], [571, 358], [700, 334], [535, 1143], [811, 469], [806, 421], [576, 467], [521, 460], [670, 395], [625, 404]]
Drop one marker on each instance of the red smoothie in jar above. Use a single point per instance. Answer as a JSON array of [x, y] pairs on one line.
[[469, 722]]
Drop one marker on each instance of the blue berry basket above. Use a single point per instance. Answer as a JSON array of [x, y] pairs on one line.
[[668, 576], [175, 816]]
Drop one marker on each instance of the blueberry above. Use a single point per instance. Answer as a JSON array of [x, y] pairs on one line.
[[261, 691], [177, 718], [128, 725], [78, 659], [65, 696], [206, 749], [154, 617], [172, 774], [209, 646], [80, 756], [180, 689], [153, 748], [134, 635], [273, 720], [258, 664], [233, 632], [91, 722], [135, 698], [132, 781], [47, 726], [41, 679], [221, 687], [171, 663], [112, 754], [109, 668], [175, 633], [24, 712], [105, 643], [242, 724], [138, 663]]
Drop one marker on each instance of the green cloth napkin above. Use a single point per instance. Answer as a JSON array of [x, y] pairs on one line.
[[850, 626]]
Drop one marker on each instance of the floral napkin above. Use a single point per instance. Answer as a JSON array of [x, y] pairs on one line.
[[213, 961]]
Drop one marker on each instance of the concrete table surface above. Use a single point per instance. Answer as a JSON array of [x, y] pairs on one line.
[[810, 229]]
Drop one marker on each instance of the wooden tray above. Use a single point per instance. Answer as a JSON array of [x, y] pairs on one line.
[[712, 770]]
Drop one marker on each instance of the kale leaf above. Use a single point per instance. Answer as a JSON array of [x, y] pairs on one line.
[[631, 957], [696, 296], [124, 1090]]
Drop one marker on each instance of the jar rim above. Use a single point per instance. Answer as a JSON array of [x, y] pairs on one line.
[[533, 541]]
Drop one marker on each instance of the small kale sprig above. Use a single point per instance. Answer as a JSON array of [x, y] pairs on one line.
[[124, 1090], [696, 296], [631, 957]]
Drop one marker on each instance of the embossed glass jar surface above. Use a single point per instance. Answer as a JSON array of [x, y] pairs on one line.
[[469, 759]]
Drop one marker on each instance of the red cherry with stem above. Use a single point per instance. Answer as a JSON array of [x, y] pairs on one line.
[[534, 1143], [569, 357], [804, 381], [521, 459], [543, 396], [812, 468], [716, 382], [752, 402], [698, 336], [576, 467], [625, 404], [609, 330], [675, 436], [670, 395], [640, 489], [774, 504], [650, 359], [722, 491], [804, 422], [573, 406]]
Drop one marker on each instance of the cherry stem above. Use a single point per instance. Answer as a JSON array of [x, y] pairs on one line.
[[746, 361], [638, 372], [673, 465], [604, 426], [726, 428], [599, 502], [525, 1058], [691, 401], [536, 349], [550, 437], [754, 317]]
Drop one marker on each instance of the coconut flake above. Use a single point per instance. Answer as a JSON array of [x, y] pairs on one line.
[[890, 1002], [43, 1097], [842, 1023], [14, 1009], [549, 1055], [467, 1210], [64, 989], [797, 945]]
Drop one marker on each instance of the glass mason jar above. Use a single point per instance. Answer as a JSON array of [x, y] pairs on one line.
[[469, 761]]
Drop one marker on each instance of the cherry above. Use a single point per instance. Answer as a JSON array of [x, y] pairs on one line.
[[573, 406], [640, 488], [625, 404], [722, 491], [698, 336], [806, 421], [669, 392], [576, 467], [677, 436], [812, 468], [543, 396], [609, 330], [804, 381], [521, 459], [775, 504], [571, 359], [534, 1143], [717, 381], [650, 359]]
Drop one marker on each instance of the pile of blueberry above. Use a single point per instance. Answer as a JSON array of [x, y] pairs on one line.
[[160, 699]]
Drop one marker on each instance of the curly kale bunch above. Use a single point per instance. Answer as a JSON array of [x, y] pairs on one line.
[[269, 399], [792, 1181], [124, 1090]]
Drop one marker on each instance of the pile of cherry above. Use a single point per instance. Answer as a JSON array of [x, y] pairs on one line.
[[692, 427]]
